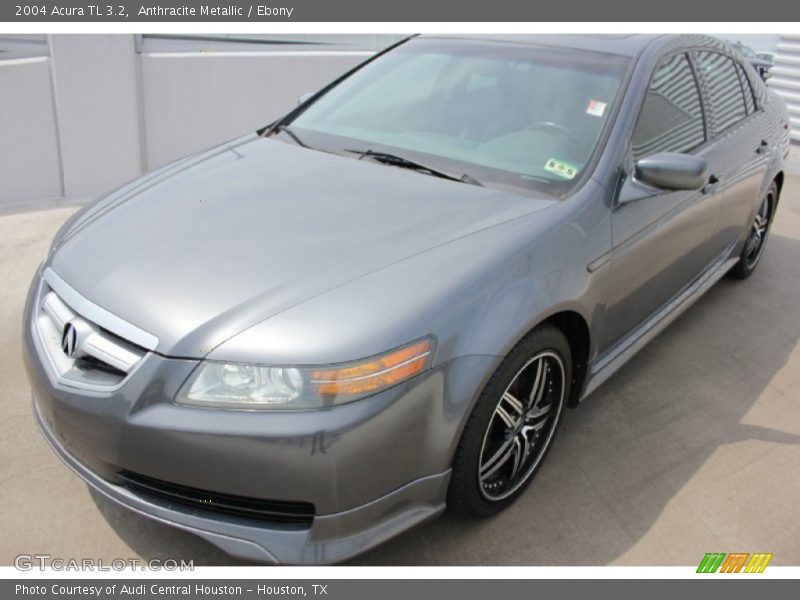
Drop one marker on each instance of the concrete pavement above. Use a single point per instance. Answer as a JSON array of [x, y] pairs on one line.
[[693, 447]]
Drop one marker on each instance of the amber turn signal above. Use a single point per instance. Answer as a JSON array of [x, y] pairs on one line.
[[375, 374]]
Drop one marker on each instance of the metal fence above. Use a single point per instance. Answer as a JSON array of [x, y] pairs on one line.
[[785, 78]]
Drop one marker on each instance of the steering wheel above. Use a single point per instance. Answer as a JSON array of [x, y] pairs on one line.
[[544, 125]]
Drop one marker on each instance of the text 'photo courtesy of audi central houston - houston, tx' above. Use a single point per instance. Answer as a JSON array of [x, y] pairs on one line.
[[304, 341]]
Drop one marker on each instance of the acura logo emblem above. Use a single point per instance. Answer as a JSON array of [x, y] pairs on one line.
[[69, 340]]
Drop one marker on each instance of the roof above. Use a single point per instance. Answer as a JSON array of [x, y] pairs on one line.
[[624, 45]]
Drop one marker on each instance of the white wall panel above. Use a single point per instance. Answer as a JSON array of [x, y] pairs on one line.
[[97, 110], [195, 100], [785, 78], [29, 160]]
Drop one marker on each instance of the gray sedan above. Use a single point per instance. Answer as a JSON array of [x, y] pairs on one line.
[[305, 341]]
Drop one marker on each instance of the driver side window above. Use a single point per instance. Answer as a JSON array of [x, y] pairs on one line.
[[671, 119]]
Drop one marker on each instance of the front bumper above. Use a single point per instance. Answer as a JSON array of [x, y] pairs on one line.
[[371, 468], [331, 538]]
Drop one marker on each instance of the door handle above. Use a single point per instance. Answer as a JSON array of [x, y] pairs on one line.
[[762, 147], [710, 187]]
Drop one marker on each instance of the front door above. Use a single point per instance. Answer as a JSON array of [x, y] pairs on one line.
[[663, 241]]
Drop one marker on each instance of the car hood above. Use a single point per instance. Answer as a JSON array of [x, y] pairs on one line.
[[203, 250]]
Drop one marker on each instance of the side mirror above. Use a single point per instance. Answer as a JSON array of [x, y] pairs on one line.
[[302, 99], [673, 171], [666, 171]]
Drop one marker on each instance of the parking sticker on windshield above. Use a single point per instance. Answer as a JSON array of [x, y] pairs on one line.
[[596, 108], [561, 168]]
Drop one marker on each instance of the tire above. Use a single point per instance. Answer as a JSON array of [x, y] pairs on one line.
[[757, 235], [491, 469]]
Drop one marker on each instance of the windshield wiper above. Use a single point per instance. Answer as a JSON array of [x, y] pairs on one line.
[[289, 132], [399, 161]]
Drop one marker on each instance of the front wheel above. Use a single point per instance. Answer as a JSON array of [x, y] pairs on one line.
[[757, 236], [512, 425]]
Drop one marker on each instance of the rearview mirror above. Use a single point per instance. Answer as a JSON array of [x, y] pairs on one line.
[[673, 171]]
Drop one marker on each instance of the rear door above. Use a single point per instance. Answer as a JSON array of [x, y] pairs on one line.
[[738, 126]]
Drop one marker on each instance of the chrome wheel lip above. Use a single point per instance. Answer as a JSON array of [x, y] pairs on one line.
[[551, 431], [760, 229]]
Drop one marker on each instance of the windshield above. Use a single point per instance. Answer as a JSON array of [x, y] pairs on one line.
[[506, 114]]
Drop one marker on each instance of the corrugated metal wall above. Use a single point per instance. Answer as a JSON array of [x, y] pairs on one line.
[[785, 79]]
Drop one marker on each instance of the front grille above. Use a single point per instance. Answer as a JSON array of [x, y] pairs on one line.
[[96, 358], [88, 363], [276, 511]]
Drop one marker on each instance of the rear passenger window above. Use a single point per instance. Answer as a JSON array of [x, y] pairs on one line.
[[747, 89], [671, 119], [725, 95]]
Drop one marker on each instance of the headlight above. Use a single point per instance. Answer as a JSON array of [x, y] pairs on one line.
[[232, 385]]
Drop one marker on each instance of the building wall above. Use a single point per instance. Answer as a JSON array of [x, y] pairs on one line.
[[82, 114], [785, 79], [193, 101], [97, 112], [30, 166]]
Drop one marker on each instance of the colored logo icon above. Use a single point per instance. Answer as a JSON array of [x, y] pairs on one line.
[[735, 562]]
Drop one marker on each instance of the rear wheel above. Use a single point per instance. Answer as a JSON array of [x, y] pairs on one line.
[[757, 236], [512, 426]]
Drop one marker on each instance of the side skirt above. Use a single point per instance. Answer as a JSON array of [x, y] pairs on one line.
[[608, 364]]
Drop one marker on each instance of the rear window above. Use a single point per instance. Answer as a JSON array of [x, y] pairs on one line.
[[725, 95]]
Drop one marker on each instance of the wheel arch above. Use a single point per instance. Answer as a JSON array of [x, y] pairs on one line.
[[576, 330], [778, 180]]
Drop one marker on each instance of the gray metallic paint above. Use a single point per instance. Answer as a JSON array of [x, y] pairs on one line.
[[261, 251], [672, 171]]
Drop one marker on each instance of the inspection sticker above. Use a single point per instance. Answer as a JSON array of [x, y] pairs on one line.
[[561, 168], [596, 108]]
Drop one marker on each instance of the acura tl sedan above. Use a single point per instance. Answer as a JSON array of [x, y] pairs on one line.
[[305, 341]]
